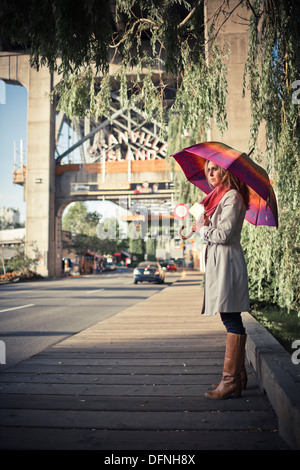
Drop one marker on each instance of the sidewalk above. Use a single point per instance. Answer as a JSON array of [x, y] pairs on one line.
[[136, 382]]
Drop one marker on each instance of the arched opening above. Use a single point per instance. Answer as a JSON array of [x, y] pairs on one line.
[[91, 237]]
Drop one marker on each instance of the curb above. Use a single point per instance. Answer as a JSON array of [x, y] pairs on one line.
[[278, 376]]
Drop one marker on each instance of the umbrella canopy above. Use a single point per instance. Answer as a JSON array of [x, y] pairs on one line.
[[262, 206]]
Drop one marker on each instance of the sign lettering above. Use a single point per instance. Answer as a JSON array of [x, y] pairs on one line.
[[131, 145]]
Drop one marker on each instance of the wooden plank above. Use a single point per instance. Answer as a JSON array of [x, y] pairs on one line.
[[135, 441], [147, 345], [105, 389], [73, 354], [67, 361], [109, 369], [251, 400], [111, 379], [133, 420]]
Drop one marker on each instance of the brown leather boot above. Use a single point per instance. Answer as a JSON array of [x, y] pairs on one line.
[[244, 377], [233, 361]]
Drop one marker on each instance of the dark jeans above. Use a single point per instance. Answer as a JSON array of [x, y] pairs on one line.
[[233, 323]]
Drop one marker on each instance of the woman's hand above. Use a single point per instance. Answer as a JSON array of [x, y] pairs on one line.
[[204, 220]]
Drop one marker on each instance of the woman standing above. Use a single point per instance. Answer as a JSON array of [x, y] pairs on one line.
[[226, 279]]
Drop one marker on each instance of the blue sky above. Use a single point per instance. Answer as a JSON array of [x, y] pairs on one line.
[[13, 127]]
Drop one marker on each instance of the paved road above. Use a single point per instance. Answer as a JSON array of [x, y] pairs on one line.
[[39, 314]]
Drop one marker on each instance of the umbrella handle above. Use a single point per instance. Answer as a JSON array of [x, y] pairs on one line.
[[185, 237]]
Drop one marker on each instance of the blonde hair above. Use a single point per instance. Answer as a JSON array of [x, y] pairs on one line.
[[231, 181]]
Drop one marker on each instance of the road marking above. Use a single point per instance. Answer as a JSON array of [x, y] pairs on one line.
[[15, 308], [92, 291]]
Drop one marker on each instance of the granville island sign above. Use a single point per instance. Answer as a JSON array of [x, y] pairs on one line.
[[128, 145]]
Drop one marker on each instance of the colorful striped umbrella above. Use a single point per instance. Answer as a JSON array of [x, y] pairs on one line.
[[262, 207]]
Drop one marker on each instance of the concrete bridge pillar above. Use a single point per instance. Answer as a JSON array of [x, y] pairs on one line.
[[40, 173], [39, 188], [234, 33]]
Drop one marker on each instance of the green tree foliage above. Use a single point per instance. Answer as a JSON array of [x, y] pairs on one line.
[[157, 46], [21, 262], [78, 220], [272, 67], [86, 229], [77, 34]]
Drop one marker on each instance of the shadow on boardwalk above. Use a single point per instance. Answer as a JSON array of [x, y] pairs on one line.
[[136, 381]]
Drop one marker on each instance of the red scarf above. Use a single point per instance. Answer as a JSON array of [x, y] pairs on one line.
[[212, 200]]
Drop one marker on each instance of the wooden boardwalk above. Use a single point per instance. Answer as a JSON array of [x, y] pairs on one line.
[[136, 381]]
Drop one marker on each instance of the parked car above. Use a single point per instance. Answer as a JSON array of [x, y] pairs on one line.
[[149, 271], [171, 266], [110, 267], [180, 262]]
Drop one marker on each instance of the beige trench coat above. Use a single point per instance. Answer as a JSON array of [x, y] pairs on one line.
[[226, 278]]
